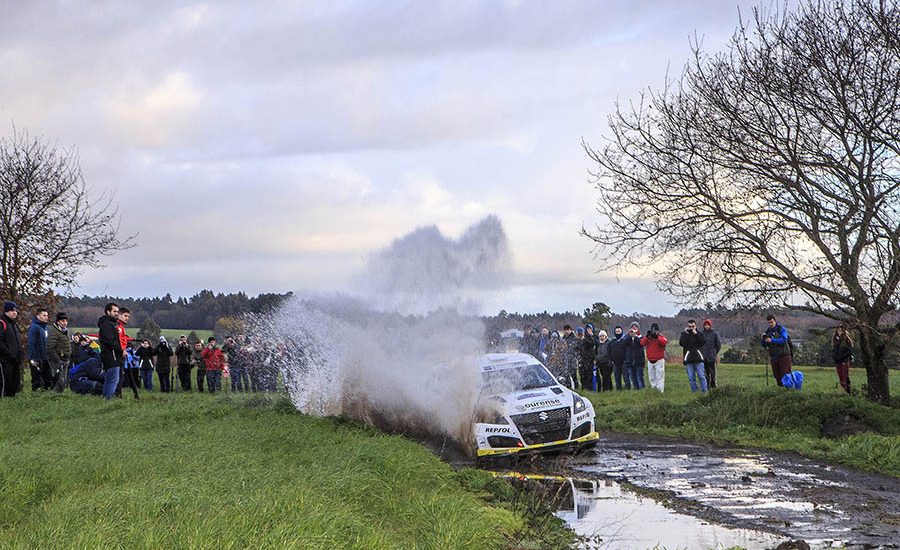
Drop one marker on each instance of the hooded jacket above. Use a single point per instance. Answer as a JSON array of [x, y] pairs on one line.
[[713, 344], [37, 341], [164, 356], [634, 352], [213, 358]]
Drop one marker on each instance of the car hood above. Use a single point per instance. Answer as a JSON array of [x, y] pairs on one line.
[[539, 399]]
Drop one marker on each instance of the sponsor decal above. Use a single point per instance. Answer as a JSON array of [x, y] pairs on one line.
[[497, 430], [545, 403], [581, 416], [529, 395]]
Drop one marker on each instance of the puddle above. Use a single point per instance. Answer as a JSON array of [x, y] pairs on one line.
[[826, 506], [607, 515]]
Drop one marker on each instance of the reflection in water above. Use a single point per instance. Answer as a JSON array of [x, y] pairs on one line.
[[607, 515]]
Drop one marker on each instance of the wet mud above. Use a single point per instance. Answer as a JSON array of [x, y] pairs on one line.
[[645, 492]]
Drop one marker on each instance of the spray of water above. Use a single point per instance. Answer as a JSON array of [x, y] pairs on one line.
[[400, 355]]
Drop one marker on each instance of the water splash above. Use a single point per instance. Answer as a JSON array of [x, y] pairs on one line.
[[400, 355]]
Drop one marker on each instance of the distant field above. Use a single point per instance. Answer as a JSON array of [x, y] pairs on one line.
[[169, 333]]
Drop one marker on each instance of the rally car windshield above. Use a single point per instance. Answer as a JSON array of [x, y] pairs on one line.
[[528, 377]]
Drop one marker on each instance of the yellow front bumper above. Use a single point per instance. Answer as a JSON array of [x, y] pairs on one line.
[[593, 436]]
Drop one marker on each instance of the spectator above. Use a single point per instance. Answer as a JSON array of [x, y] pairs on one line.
[[87, 377], [131, 371], [164, 355], [530, 343], [84, 351], [197, 360], [634, 356], [144, 356], [132, 378], [603, 362], [777, 341], [237, 364], [556, 356], [655, 342], [183, 358], [617, 358], [542, 345], [692, 342], [570, 364], [585, 350], [215, 362], [111, 351], [41, 377], [711, 349], [842, 353], [10, 351], [76, 347], [59, 351]]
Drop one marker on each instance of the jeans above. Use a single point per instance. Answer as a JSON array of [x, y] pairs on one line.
[[110, 382], [697, 370], [619, 371], [85, 386], [239, 379], [656, 372], [214, 380], [147, 379], [635, 374]]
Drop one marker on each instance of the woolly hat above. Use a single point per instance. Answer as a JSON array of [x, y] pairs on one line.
[[61, 315], [163, 339], [579, 329], [589, 325], [602, 333], [9, 306], [707, 322], [635, 324], [654, 326]]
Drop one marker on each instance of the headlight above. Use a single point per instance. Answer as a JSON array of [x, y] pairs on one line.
[[579, 404]]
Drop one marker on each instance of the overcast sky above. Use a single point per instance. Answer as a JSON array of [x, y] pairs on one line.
[[271, 146]]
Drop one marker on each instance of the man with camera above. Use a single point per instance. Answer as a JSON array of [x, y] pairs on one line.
[[183, 357], [777, 341], [655, 343], [691, 343]]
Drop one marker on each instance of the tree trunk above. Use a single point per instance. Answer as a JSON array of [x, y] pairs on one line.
[[872, 345]]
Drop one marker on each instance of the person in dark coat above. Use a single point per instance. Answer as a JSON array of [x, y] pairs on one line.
[[41, 377], [842, 353], [87, 377], [144, 354], [617, 357], [603, 362], [111, 351], [59, 351], [11, 353], [164, 355], [711, 350], [183, 356], [585, 350], [634, 356], [691, 343]]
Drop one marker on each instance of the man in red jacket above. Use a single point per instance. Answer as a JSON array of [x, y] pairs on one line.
[[214, 360], [655, 343], [129, 376]]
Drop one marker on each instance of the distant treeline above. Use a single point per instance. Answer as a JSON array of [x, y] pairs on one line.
[[200, 311]]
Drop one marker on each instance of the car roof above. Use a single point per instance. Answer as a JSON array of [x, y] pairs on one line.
[[499, 361]]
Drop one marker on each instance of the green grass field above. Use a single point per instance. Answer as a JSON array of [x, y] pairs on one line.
[[745, 412], [235, 471]]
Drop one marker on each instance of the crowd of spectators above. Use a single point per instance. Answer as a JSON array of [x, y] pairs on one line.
[[111, 361], [598, 361]]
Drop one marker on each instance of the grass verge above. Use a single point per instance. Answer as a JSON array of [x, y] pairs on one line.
[[821, 421], [189, 470]]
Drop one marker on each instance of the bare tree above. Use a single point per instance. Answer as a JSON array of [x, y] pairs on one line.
[[770, 172], [50, 229]]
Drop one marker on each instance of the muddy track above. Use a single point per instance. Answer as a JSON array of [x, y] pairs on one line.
[[782, 495]]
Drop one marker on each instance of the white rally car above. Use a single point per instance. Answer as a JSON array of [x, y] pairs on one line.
[[522, 408]]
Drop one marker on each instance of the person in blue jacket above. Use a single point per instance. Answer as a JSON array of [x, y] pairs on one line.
[[777, 341], [87, 377], [41, 377]]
